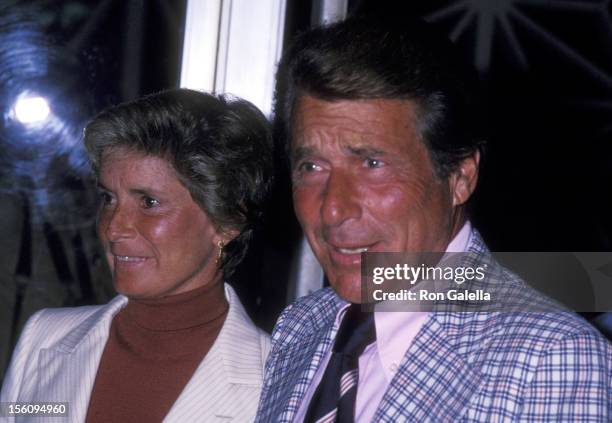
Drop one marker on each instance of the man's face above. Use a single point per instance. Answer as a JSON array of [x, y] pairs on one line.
[[364, 181]]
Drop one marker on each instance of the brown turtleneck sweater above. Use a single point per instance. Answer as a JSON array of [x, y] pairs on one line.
[[153, 349]]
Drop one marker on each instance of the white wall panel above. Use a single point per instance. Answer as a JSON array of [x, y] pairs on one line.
[[240, 55]]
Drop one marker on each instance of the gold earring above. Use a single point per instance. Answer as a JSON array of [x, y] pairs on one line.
[[220, 244]]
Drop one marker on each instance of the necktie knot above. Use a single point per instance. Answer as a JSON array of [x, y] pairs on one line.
[[356, 331]]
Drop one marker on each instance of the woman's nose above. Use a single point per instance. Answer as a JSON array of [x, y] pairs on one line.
[[117, 224]]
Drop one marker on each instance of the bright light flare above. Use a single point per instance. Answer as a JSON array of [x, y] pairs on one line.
[[29, 110]]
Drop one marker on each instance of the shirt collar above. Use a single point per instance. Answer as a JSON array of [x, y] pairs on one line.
[[460, 242]]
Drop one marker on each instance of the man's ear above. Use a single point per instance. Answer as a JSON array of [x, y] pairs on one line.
[[226, 235], [464, 179]]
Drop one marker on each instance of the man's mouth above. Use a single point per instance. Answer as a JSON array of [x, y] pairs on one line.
[[355, 250], [348, 255]]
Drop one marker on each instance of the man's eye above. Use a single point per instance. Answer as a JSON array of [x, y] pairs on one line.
[[149, 202], [307, 167], [373, 163]]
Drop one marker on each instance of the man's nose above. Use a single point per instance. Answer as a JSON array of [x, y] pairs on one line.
[[118, 224], [341, 199]]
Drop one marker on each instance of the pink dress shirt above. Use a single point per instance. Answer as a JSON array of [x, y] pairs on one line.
[[395, 332]]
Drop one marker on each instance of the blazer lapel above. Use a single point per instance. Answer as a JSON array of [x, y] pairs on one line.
[[441, 371], [68, 370], [435, 382], [299, 360], [300, 364], [227, 383]]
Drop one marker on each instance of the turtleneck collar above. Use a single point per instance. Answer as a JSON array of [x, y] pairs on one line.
[[178, 312]]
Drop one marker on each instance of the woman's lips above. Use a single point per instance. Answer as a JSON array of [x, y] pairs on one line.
[[127, 262], [130, 259]]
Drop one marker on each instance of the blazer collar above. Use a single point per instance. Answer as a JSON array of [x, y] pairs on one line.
[[238, 343], [444, 361], [97, 325], [303, 345], [315, 313], [236, 358]]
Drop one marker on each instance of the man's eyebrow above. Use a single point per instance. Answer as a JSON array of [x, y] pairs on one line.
[[142, 191], [301, 152], [363, 151]]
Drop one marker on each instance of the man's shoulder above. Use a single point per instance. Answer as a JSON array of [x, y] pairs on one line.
[[524, 339], [523, 310], [542, 330], [524, 324]]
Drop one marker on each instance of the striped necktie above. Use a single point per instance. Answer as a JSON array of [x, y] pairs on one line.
[[334, 399]]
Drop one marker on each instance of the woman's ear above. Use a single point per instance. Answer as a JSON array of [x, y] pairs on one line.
[[464, 179]]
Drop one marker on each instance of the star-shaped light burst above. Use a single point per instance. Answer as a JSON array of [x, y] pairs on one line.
[[489, 16]]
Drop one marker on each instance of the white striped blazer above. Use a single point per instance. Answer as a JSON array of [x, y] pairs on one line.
[[57, 357]]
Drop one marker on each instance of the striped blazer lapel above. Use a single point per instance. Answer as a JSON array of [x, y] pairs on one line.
[[227, 384], [68, 370], [434, 382]]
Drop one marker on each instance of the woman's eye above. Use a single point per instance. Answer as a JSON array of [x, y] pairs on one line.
[[148, 202], [105, 198]]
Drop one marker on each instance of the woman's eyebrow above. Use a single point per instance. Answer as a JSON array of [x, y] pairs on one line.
[[102, 187], [135, 190], [145, 191]]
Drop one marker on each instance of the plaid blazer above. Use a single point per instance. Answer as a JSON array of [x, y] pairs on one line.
[[461, 367]]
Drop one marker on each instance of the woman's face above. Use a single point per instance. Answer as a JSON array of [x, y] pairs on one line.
[[157, 240]]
